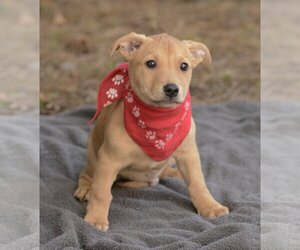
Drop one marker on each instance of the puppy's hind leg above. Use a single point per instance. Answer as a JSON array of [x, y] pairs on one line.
[[82, 193]]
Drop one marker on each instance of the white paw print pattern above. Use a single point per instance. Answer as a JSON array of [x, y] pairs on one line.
[[112, 93], [136, 111], [160, 144], [183, 116], [177, 125], [118, 79], [169, 136], [186, 106], [129, 97], [142, 124], [107, 103], [151, 135]]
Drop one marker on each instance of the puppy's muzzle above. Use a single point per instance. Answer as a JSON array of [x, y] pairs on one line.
[[171, 90]]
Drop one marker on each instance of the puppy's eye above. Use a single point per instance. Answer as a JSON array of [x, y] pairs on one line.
[[184, 66], [151, 64]]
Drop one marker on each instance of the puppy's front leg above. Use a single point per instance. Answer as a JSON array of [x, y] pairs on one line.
[[188, 162], [105, 174]]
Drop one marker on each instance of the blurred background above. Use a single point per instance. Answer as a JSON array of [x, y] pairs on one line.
[[19, 56], [280, 124], [19, 124], [76, 38]]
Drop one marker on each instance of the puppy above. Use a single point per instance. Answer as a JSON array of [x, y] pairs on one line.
[[143, 123]]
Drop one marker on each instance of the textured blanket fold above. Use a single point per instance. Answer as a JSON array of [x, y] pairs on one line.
[[280, 174], [159, 217], [19, 182]]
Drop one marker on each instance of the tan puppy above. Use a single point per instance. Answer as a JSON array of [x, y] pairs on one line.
[[113, 155]]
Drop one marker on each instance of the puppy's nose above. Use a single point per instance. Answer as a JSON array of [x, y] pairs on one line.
[[171, 90]]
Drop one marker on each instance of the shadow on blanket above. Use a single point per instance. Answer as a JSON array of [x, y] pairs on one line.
[[160, 217]]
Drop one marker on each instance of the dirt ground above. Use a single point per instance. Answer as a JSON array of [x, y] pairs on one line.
[[19, 56], [76, 37], [280, 52]]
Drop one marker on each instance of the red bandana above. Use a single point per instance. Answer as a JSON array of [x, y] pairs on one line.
[[158, 131]]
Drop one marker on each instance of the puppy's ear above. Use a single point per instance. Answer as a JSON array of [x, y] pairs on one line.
[[199, 52], [128, 44]]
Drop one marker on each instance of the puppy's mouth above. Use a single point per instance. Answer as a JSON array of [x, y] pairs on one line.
[[161, 101], [167, 102], [170, 101]]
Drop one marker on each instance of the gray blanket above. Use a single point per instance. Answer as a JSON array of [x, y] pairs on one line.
[[19, 182], [280, 175], [160, 217]]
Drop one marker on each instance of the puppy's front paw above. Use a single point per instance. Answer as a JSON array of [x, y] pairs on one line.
[[213, 211], [101, 224], [82, 193]]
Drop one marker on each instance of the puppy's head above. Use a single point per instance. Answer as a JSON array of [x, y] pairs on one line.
[[160, 66]]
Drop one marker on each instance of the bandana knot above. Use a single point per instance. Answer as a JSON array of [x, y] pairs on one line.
[[158, 131]]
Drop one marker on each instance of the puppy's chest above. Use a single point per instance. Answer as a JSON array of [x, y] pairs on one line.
[[146, 170], [146, 165]]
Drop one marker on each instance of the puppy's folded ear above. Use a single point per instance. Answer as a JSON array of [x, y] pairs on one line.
[[128, 44], [200, 53]]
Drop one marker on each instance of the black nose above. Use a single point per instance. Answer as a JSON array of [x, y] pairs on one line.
[[171, 90]]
